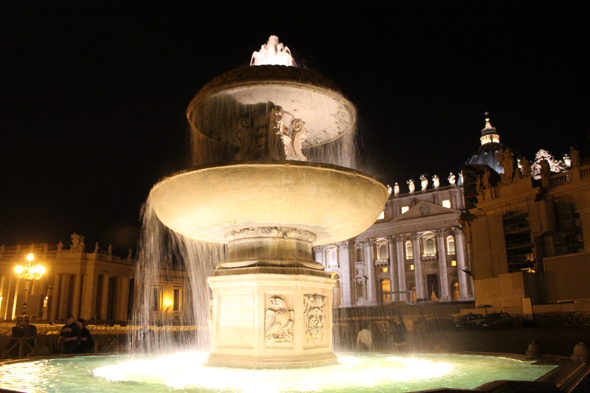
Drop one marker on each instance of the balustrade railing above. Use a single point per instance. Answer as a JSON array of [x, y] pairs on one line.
[[559, 179]]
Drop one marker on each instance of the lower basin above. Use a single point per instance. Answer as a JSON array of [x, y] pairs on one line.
[[184, 372]]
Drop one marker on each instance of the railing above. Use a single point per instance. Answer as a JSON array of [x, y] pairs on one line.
[[559, 179], [585, 172], [45, 345], [381, 262], [562, 319]]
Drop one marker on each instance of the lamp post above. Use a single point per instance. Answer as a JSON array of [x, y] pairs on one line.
[[28, 273]]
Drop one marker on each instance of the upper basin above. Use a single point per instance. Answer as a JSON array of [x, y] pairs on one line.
[[305, 94], [209, 203]]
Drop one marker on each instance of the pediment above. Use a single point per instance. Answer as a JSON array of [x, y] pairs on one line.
[[424, 209]]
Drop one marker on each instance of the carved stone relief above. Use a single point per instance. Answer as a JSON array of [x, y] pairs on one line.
[[314, 313], [279, 321]]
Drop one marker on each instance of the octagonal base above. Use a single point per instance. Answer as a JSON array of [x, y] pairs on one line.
[[264, 320]]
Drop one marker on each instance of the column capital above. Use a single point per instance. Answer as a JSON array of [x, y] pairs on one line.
[[415, 236], [344, 245], [440, 232], [458, 230]]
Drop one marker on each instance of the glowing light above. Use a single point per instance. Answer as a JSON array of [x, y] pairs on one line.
[[28, 272], [167, 303]]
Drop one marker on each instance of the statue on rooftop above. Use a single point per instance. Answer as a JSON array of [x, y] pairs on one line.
[[96, 248], [435, 181], [451, 179], [110, 250], [485, 181], [506, 160], [395, 189], [411, 185], [478, 186], [525, 167], [575, 157], [423, 182]]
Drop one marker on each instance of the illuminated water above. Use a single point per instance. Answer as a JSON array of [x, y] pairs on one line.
[[184, 373]]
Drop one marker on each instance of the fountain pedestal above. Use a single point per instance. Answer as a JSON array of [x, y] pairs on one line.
[[261, 318]]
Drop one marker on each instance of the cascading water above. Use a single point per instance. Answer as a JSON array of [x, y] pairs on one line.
[[270, 111], [162, 257]]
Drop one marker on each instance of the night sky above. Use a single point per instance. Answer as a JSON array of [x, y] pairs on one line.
[[93, 94]]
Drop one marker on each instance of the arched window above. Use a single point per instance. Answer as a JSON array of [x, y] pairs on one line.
[[455, 291], [409, 250], [382, 251], [359, 254], [332, 254], [429, 246], [450, 245]]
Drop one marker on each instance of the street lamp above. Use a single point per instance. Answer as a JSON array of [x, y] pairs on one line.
[[28, 273]]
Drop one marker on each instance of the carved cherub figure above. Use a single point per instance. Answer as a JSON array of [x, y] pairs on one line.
[[278, 320]]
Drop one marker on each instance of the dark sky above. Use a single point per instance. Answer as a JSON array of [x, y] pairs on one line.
[[93, 93]]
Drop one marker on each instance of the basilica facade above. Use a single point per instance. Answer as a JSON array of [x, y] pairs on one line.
[[416, 251]]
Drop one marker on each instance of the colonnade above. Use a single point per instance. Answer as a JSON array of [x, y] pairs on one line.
[[360, 279]]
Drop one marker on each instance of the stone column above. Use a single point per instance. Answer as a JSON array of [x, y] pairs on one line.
[[461, 267], [442, 266], [370, 263], [63, 296], [4, 287], [401, 268], [123, 298], [88, 306], [394, 282], [76, 300], [418, 267], [55, 296], [104, 305], [345, 269]]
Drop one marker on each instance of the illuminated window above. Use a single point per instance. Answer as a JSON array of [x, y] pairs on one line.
[[405, 209], [382, 215], [332, 254], [453, 263], [455, 291], [409, 250], [383, 270], [411, 267], [429, 246], [176, 301], [446, 203], [450, 245], [386, 291]]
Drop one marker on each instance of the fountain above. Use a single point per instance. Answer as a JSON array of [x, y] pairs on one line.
[[262, 196], [271, 302]]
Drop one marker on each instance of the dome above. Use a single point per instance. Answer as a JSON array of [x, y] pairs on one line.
[[490, 145]]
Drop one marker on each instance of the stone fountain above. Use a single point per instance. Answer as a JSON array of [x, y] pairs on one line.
[[271, 302]]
